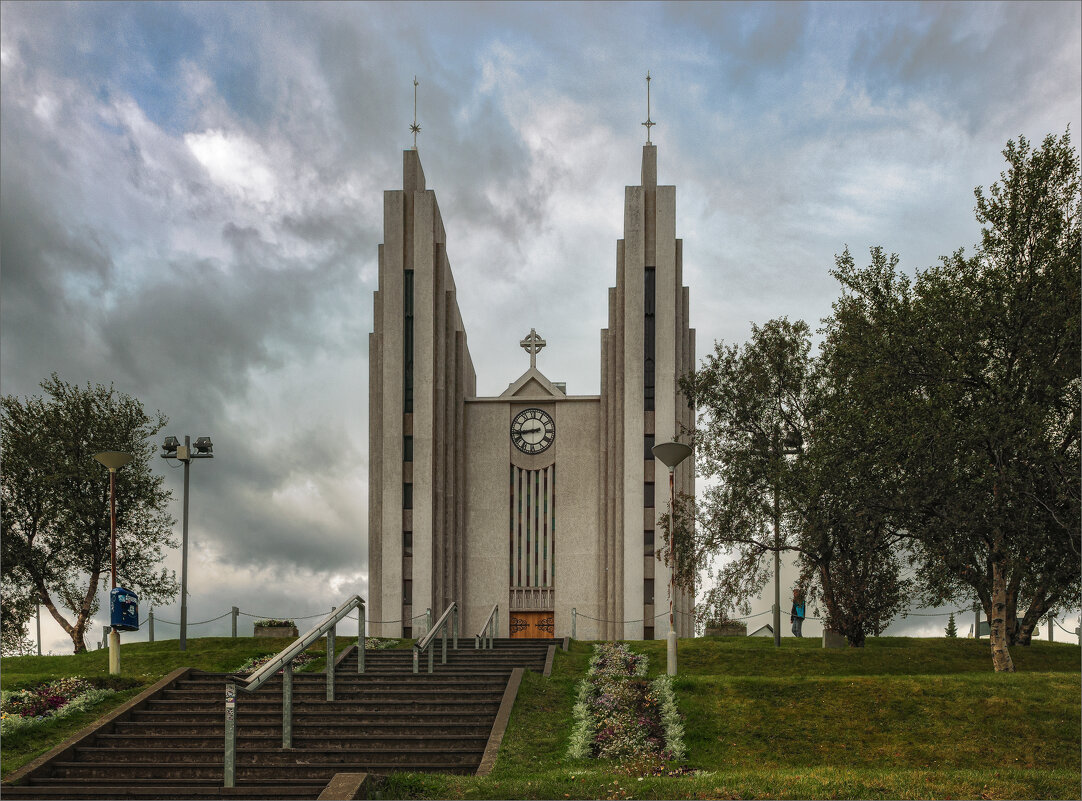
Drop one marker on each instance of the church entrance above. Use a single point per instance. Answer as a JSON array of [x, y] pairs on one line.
[[531, 624]]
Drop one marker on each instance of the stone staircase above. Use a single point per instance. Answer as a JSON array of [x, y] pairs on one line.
[[384, 720]]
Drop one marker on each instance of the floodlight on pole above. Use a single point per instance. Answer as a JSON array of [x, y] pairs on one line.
[[671, 454], [114, 460], [174, 450]]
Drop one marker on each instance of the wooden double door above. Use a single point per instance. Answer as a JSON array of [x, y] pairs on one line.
[[531, 624]]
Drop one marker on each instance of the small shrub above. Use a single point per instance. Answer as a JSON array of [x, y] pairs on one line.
[[273, 623]]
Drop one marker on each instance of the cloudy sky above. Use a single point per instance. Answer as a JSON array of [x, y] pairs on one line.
[[192, 203]]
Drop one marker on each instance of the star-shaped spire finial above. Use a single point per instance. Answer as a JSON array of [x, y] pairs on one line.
[[415, 128]]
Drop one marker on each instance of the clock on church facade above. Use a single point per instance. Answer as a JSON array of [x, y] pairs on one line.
[[537, 500]]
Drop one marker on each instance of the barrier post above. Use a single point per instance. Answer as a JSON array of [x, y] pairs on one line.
[[360, 639], [330, 663], [150, 625], [236, 612], [287, 705], [229, 768], [574, 619]]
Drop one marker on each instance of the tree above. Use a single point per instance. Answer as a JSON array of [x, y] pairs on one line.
[[757, 403], [55, 497], [952, 629], [968, 377]]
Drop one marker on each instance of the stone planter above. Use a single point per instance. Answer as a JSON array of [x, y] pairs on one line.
[[832, 639], [726, 630], [276, 631]]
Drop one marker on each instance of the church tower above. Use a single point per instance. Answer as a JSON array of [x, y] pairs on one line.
[[538, 501], [646, 348], [420, 372]]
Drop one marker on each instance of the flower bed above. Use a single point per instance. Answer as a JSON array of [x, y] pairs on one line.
[[620, 715], [274, 623], [40, 705], [257, 662]]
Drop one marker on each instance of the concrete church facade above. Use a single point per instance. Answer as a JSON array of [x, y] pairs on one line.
[[536, 500]]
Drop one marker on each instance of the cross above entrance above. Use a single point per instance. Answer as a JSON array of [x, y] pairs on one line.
[[532, 344]]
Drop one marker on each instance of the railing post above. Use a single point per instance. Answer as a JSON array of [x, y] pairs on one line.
[[236, 612], [415, 658], [428, 620], [496, 630], [444, 630], [454, 628], [229, 771], [476, 643], [150, 625], [360, 639], [431, 654], [287, 705], [330, 663], [574, 619]]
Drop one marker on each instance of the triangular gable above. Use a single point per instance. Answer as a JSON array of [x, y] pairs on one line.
[[532, 384]]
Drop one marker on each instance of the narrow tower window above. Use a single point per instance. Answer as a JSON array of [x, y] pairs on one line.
[[648, 341], [407, 341]]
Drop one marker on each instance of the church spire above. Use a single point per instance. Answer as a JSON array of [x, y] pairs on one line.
[[415, 128], [649, 123]]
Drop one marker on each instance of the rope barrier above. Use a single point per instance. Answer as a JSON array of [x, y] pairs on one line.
[[1068, 631]]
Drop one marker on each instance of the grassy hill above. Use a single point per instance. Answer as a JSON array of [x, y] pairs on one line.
[[901, 718]]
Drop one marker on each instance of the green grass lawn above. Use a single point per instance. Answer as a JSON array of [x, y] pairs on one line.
[[900, 718]]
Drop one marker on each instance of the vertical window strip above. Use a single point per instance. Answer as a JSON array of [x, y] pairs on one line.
[[407, 341], [553, 529], [648, 339], [545, 526], [528, 517], [511, 533], [520, 533], [537, 520]]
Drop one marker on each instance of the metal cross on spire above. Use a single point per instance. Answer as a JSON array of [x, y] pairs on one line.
[[415, 128], [649, 123], [532, 344]]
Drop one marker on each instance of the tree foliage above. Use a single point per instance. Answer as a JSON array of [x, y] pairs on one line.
[[55, 496], [759, 404], [968, 377]]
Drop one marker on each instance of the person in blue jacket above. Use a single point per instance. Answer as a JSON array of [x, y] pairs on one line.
[[796, 615]]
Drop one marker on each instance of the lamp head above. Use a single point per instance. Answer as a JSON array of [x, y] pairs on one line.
[[671, 453], [204, 445], [114, 460], [170, 445]]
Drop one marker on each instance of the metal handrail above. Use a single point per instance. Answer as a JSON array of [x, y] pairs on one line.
[[284, 661], [489, 630], [449, 616]]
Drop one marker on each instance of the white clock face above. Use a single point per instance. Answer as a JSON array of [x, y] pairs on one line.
[[532, 430]]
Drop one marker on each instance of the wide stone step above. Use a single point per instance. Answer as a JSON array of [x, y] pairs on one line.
[[352, 692], [215, 687], [151, 789], [270, 755], [364, 718], [69, 772], [377, 727], [273, 739], [346, 706]]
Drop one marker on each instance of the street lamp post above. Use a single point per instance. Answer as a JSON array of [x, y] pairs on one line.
[[791, 445], [113, 460], [671, 454], [174, 450]]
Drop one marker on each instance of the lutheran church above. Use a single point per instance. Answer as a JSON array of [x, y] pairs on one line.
[[536, 500]]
